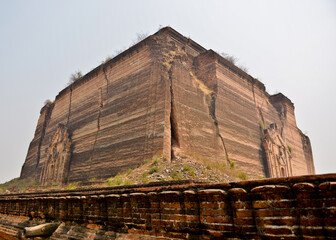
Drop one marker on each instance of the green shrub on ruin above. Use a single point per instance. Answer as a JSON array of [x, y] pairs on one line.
[[75, 77], [108, 58], [48, 101]]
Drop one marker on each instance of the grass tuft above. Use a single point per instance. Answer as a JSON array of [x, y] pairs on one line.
[[129, 182], [114, 181], [262, 126], [153, 170], [176, 176], [242, 176], [186, 168], [72, 186], [144, 177]]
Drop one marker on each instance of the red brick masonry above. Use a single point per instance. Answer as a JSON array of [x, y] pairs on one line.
[[282, 208]]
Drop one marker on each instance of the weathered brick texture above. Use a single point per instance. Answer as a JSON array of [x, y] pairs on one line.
[[283, 208]]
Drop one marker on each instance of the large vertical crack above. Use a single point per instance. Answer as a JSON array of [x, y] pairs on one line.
[[255, 102], [69, 111], [262, 121], [259, 112], [174, 137], [283, 119], [101, 105], [67, 126], [49, 108], [106, 79], [211, 97], [262, 127], [212, 112]]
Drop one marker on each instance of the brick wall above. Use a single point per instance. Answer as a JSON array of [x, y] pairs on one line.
[[282, 208]]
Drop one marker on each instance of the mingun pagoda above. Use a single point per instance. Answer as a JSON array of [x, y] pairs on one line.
[[165, 95]]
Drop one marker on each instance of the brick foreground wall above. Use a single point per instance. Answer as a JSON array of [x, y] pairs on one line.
[[283, 208]]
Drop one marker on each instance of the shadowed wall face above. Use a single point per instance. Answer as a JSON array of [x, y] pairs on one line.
[[166, 95]]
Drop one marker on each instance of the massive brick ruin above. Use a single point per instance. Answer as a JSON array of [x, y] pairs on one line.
[[166, 95]]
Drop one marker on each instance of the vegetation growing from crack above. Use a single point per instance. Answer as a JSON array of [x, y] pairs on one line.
[[232, 164], [262, 126]]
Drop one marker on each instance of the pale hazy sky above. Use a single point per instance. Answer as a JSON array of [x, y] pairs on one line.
[[289, 45]]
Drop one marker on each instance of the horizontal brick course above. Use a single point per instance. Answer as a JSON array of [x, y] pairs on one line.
[[284, 209]]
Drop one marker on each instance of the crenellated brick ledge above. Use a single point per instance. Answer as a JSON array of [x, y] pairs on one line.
[[282, 208]]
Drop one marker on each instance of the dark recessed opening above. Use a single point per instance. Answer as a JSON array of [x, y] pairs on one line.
[[174, 133]]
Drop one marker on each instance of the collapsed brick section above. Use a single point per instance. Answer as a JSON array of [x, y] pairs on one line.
[[282, 208]]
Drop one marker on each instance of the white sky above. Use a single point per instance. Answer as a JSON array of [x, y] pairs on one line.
[[289, 45]]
